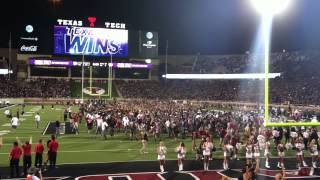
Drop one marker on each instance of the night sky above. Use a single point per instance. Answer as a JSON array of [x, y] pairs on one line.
[[190, 26]]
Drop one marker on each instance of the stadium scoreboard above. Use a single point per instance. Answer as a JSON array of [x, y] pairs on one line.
[[91, 36]]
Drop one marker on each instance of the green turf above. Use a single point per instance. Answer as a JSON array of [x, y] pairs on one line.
[[87, 147]]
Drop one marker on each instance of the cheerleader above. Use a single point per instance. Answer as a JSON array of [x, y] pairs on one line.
[[256, 154], [161, 150], [237, 146], [262, 141], [306, 135], [314, 152], [227, 151], [267, 153], [144, 142], [181, 151], [249, 153], [280, 149], [237, 149], [207, 149], [293, 135], [299, 153], [247, 132]]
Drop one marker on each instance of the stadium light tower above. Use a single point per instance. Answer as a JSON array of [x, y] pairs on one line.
[[268, 9]]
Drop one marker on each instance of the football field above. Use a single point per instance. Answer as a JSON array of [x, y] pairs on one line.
[[79, 148], [84, 147]]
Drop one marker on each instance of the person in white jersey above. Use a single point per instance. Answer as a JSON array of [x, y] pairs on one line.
[[37, 119]]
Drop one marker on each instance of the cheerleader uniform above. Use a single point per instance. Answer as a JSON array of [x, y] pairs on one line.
[[256, 149], [281, 154], [181, 153], [314, 152], [161, 156], [299, 152], [162, 152], [249, 152]]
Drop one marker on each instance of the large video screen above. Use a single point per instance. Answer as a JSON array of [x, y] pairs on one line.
[[90, 41]]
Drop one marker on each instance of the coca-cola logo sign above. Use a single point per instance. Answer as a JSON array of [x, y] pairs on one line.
[[28, 48]]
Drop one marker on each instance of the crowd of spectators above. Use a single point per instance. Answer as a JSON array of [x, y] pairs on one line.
[[44, 88], [298, 83]]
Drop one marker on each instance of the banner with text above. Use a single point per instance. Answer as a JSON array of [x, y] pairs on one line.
[[90, 41]]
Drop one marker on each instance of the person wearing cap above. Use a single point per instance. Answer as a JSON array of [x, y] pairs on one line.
[[34, 174]]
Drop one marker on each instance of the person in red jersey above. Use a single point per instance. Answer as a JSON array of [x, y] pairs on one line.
[[26, 148], [52, 150], [39, 152], [14, 158]]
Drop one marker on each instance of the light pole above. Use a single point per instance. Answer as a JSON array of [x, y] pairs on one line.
[[268, 9]]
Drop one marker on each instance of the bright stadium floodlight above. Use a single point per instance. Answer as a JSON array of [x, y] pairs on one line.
[[221, 76], [270, 7]]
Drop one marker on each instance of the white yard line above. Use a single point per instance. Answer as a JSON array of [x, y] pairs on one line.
[[44, 132]]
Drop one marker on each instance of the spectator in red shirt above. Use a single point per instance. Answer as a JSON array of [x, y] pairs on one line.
[[52, 150], [39, 152], [14, 157], [27, 148]]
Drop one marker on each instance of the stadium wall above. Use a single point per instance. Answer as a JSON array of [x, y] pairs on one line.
[[11, 100]]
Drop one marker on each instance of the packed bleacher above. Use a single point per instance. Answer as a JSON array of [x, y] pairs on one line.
[[45, 88], [298, 82]]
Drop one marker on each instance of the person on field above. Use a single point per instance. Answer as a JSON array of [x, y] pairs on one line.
[[39, 154], [104, 129], [14, 157], [46, 161], [57, 125], [161, 151], [181, 153], [144, 142], [37, 120], [75, 122], [207, 147], [14, 122], [52, 150], [27, 151]]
